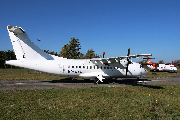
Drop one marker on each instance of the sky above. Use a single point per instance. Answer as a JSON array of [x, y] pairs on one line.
[[111, 26]]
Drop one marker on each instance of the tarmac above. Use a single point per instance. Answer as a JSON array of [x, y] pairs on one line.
[[69, 83]]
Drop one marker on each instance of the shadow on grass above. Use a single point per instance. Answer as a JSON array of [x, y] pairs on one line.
[[131, 82]]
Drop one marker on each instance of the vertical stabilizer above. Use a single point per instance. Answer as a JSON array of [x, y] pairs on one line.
[[150, 63], [23, 47]]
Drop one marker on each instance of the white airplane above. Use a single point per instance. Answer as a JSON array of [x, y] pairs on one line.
[[32, 57], [161, 67]]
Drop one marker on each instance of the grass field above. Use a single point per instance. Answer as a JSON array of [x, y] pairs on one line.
[[25, 74], [159, 74], [134, 102]]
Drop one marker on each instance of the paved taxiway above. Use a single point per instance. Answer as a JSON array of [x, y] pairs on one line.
[[68, 83]]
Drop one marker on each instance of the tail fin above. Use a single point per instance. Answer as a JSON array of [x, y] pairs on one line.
[[23, 47], [149, 61], [150, 65]]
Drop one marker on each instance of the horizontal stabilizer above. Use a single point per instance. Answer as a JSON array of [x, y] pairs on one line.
[[15, 29], [148, 58]]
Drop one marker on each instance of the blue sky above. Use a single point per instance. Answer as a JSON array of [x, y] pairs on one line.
[[111, 26]]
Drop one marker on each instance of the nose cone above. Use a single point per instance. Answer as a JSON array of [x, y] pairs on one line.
[[144, 72]]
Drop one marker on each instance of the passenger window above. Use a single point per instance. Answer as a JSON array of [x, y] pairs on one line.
[[72, 66], [83, 66], [87, 67], [90, 67], [94, 67], [110, 67], [107, 67], [101, 67], [79, 66], [97, 67], [104, 67], [76, 66]]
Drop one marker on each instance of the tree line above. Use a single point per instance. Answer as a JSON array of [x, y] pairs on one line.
[[69, 51]]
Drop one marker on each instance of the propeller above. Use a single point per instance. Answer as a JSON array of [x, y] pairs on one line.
[[129, 62]]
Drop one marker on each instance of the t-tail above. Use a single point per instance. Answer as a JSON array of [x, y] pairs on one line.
[[23, 47], [149, 63]]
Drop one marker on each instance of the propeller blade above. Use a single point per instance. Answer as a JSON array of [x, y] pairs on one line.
[[128, 61], [126, 70], [128, 52]]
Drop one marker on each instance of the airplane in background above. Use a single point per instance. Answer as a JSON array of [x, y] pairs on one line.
[[32, 57], [160, 67]]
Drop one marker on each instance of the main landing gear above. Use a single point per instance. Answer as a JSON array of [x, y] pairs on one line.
[[96, 81]]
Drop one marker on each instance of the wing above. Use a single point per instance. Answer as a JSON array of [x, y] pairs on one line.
[[116, 61]]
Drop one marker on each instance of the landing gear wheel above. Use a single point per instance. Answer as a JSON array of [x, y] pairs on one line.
[[96, 81]]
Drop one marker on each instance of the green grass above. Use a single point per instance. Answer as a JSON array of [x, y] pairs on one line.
[[25, 74], [178, 70], [160, 74], [134, 102]]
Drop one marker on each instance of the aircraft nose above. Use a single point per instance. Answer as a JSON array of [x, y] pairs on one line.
[[144, 72]]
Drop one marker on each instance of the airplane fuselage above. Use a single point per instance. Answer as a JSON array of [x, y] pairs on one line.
[[163, 67], [80, 68]]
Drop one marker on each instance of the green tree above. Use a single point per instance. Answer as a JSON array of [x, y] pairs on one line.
[[177, 63], [143, 63], [161, 62], [91, 54], [81, 56], [6, 55], [71, 50]]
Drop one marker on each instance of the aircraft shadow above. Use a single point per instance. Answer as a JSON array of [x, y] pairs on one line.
[[131, 82]]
